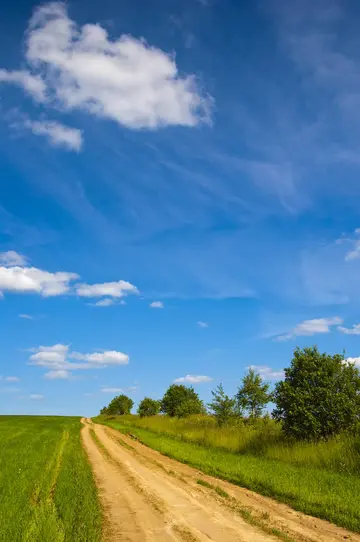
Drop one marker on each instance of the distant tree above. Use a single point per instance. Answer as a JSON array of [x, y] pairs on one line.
[[103, 411], [120, 405], [222, 406], [319, 397], [253, 395], [148, 407], [181, 401]]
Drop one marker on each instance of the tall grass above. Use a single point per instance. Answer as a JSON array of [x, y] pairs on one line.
[[46, 484], [318, 479], [263, 439]]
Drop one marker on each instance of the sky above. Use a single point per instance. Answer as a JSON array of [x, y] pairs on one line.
[[179, 195]]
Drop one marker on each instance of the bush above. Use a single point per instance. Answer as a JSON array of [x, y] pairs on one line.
[[148, 407], [319, 397], [181, 401]]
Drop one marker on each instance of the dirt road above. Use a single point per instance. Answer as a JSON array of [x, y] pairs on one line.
[[148, 497]]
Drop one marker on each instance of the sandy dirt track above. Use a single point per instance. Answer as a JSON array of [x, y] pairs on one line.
[[148, 497]]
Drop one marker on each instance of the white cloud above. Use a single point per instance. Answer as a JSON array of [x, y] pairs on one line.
[[354, 253], [104, 302], [12, 379], [59, 374], [108, 357], [58, 134], [356, 361], [112, 390], [125, 80], [36, 397], [311, 327], [12, 258], [33, 280], [32, 84], [48, 356], [26, 316], [157, 305], [112, 289], [56, 359], [354, 330], [193, 379], [267, 372], [202, 324]]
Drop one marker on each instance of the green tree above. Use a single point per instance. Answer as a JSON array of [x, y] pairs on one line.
[[120, 405], [253, 395], [222, 406], [148, 407], [103, 411], [319, 397], [181, 401]]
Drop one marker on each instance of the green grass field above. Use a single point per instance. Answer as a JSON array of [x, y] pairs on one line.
[[47, 492], [318, 479]]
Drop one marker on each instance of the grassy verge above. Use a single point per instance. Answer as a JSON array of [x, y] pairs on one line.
[[47, 488], [315, 491]]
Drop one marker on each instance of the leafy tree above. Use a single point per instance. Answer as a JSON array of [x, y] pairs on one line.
[[103, 411], [253, 395], [319, 397], [222, 406], [148, 407], [181, 401], [120, 405]]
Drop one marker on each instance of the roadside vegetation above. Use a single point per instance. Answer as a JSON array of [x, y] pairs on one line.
[[47, 488], [306, 454]]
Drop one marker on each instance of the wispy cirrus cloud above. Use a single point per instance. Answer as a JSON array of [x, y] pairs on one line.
[[59, 135], [193, 379], [354, 330]]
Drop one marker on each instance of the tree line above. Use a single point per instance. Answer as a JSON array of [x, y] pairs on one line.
[[319, 397]]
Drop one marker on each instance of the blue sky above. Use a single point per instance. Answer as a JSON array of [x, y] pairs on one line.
[[179, 194]]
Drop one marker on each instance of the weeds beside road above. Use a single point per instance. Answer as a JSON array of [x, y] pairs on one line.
[[318, 479]]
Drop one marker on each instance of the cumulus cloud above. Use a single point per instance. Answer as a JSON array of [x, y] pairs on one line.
[[36, 397], [354, 330], [202, 324], [12, 258], [125, 80], [111, 289], [157, 305], [58, 134], [267, 372], [15, 277], [56, 359], [311, 327], [193, 379]]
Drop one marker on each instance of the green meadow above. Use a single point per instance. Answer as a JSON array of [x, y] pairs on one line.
[[47, 491]]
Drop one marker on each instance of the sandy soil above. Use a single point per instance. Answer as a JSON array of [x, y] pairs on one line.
[[149, 497]]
